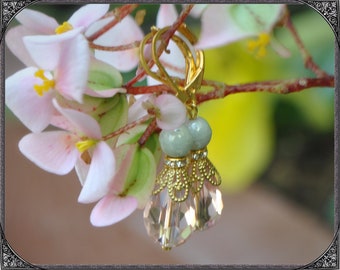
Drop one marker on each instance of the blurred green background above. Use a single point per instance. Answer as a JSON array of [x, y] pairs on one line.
[[285, 142]]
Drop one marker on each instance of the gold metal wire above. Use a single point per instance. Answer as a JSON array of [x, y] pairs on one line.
[[194, 65], [174, 175]]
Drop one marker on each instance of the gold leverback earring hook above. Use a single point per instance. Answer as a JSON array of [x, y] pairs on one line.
[[193, 67], [147, 64], [193, 83], [161, 74]]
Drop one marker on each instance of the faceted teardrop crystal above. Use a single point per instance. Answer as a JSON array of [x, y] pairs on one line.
[[167, 222], [209, 205]]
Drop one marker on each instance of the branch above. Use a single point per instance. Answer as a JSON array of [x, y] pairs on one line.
[[222, 90], [153, 89], [127, 127], [308, 60], [124, 47], [152, 128]]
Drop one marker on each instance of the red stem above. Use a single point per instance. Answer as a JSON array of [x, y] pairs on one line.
[[127, 127], [160, 88], [152, 127], [308, 60], [277, 87], [221, 90], [124, 47]]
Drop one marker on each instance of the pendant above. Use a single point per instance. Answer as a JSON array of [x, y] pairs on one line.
[[169, 216], [185, 197], [205, 177]]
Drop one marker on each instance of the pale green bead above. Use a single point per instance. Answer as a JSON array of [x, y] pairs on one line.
[[200, 131], [177, 142]]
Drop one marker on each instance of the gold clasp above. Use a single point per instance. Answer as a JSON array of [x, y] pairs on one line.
[[194, 64]]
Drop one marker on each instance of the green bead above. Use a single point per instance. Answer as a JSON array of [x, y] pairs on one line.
[[200, 131], [177, 142]]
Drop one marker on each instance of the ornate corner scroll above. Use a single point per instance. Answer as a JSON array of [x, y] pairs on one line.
[[329, 259], [9, 9], [9, 259], [329, 10]]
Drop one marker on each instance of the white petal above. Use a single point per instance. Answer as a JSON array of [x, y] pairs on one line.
[[101, 172], [34, 111], [14, 41], [118, 35], [60, 121], [172, 110], [137, 110], [72, 70], [112, 209], [105, 93], [218, 27], [167, 15], [83, 124], [223, 24], [52, 151], [88, 14], [125, 155], [45, 50], [82, 170], [197, 10], [37, 21]]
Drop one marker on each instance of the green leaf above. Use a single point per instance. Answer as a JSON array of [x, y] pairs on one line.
[[145, 178], [132, 135], [256, 18], [103, 76], [136, 172], [154, 146], [113, 116], [133, 170]]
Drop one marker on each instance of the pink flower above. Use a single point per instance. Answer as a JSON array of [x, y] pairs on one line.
[[224, 24], [30, 91], [170, 112], [129, 189], [112, 208], [137, 109], [116, 205], [58, 152], [125, 32], [42, 34]]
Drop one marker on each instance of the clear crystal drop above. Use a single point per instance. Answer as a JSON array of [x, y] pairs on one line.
[[209, 205], [169, 223]]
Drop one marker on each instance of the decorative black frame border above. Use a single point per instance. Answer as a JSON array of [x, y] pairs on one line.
[[10, 260]]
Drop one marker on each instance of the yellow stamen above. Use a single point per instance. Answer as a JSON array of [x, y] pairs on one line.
[[66, 26], [260, 44], [82, 146], [46, 85]]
